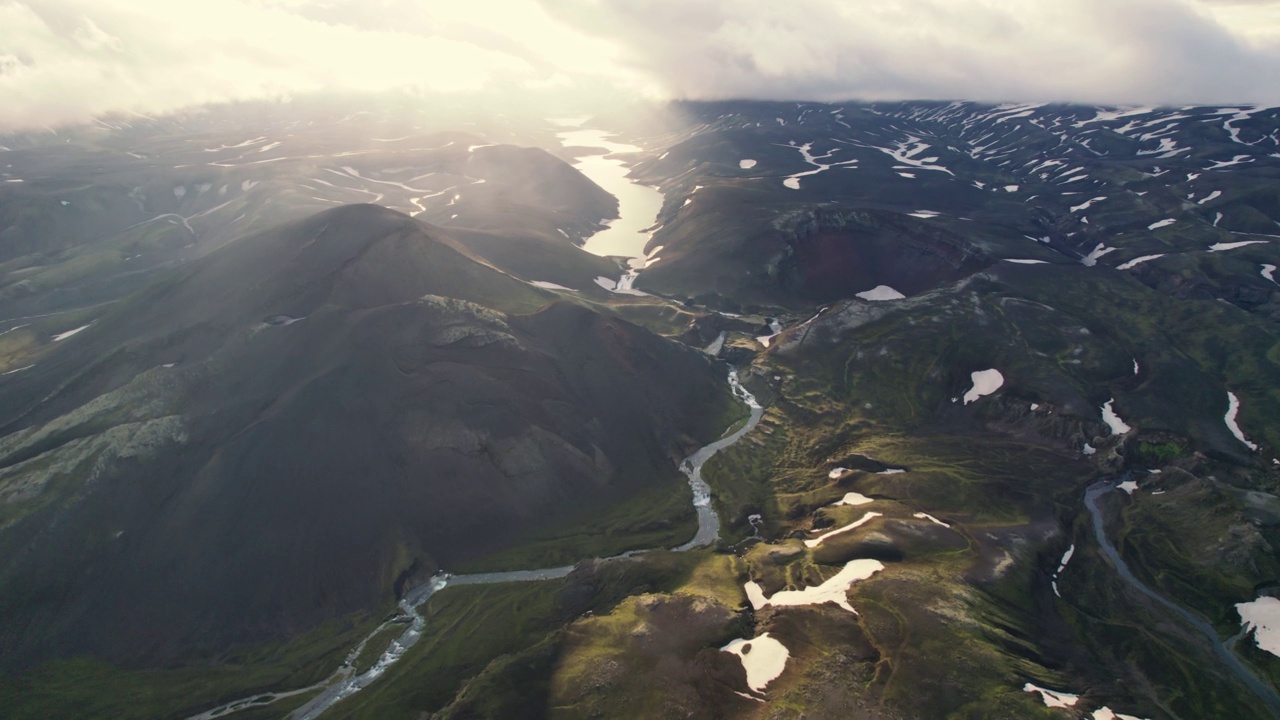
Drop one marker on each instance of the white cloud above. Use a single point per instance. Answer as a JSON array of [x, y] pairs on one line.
[[65, 60], [1117, 51]]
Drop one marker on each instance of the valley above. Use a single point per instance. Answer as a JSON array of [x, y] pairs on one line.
[[711, 409]]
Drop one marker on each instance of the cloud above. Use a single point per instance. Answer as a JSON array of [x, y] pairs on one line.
[[67, 60], [1097, 51]]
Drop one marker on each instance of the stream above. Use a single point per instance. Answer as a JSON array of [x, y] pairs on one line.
[[625, 237], [344, 683], [1223, 648]]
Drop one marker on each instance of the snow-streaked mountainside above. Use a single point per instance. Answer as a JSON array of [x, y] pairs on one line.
[[1094, 185], [899, 410]]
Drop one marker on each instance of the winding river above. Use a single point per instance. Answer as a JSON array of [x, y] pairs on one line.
[[1223, 648], [345, 682], [626, 237]]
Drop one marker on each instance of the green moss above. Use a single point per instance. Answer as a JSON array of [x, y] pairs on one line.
[[661, 516], [1157, 454], [466, 628], [86, 688], [512, 687]]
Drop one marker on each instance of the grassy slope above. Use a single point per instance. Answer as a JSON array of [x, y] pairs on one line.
[[90, 689], [884, 394]]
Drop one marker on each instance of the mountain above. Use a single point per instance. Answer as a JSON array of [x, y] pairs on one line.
[[296, 427], [1016, 456]]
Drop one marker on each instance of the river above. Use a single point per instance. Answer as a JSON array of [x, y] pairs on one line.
[[1223, 648], [638, 206], [344, 681]]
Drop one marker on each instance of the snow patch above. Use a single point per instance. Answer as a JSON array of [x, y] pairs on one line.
[[1106, 713], [930, 518], [764, 659], [1092, 258], [815, 542], [881, 293], [1233, 408], [1138, 261], [621, 286], [1053, 698], [985, 382], [853, 499], [1113, 421], [1087, 204], [1162, 223], [1262, 618], [835, 589], [746, 164], [63, 336], [1237, 160], [549, 285], [1219, 247]]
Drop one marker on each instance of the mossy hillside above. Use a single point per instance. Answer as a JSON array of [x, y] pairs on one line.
[[347, 501], [1043, 331], [1267, 664], [513, 687], [659, 316], [87, 688], [1190, 351], [922, 616], [930, 624], [784, 467], [831, 664], [510, 636], [649, 657], [1195, 543], [1147, 650], [466, 628], [28, 341], [659, 516], [656, 651]]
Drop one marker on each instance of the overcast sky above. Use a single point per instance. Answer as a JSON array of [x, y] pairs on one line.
[[66, 60]]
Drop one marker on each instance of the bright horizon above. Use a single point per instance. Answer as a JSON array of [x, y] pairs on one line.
[[66, 61]]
